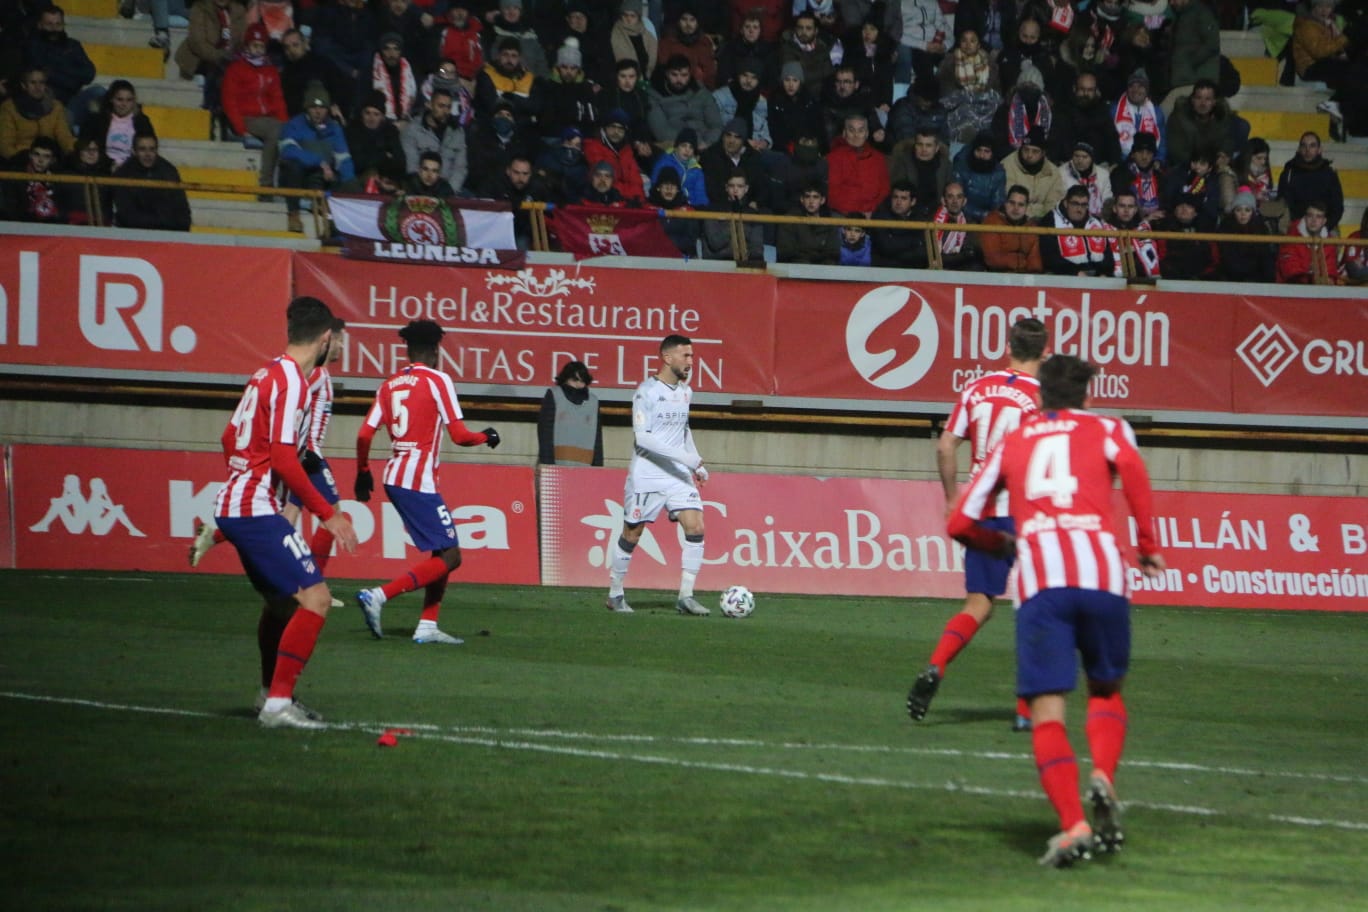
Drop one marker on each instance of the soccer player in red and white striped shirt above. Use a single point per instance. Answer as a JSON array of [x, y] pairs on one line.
[[1071, 584], [414, 406], [261, 443], [989, 409]]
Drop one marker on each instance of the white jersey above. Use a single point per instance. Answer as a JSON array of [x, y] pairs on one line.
[[665, 453]]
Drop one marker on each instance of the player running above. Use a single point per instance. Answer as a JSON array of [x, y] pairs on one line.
[[1057, 470], [413, 406], [664, 473], [261, 443], [988, 410]]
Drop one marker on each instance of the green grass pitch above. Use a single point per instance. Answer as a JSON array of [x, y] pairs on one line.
[[576, 759]]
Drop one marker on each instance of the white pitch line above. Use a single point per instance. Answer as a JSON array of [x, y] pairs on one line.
[[436, 733]]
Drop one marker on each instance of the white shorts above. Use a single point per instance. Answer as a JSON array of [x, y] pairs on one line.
[[645, 506]]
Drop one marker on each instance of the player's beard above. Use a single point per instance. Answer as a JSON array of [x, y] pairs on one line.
[[681, 373]]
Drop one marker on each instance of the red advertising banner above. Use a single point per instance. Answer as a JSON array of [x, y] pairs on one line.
[[1301, 354], [519, 328], [108, 509], [852, 536], [6, 521], [116, 305]]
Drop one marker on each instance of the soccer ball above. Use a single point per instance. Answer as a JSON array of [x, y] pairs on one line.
[[737, 602]]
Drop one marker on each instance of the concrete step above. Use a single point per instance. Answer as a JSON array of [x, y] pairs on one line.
[[1346, 156], [1256, 71], [136, 62], [131, 33], [205, 153], [248, 217], [1242, 44], [164, 93], [1353, 215], [1286, 125], [101, 9], [1278, 98], [194, 175], [178, 123]]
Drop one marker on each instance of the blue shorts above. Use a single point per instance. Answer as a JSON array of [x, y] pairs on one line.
[[986, 573], [324, 483], [1055, 626], [425, 518], [275, 555]]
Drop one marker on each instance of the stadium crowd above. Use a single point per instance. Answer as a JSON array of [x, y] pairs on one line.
[[1013, 112]]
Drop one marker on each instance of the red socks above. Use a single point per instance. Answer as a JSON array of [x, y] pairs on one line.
[[417, 577], [269, 629], [1058, 772], [321, 546], [1106, 730], [1023, 708], [296, 645], [959, 630]]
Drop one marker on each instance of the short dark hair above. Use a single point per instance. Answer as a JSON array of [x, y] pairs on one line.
[[678, 62], [1076, 191], [307, 318], [145, 134], [1318, 205], [1017, 188], [905, 186], [815, 186], [440, 91], [423, 337], [672, 341], [1205, 83], [627, 63], [429, 155], [574, 370], [48, 143], [1028, 339], [1064, 382]]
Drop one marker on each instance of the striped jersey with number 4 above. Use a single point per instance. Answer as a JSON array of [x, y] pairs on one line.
[[274, 409], [414, 406], [1058, 469], [988, 410]]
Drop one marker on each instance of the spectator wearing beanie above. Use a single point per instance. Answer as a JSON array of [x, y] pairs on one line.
[[982, 176], [571, 99], [372, 138], [512, 21], [612, 147], [667, 195], [1028, 167], [685, 38], [253, 101], [631, 39], [1246, 262], [392, 76], [793, 110], [682, 159]]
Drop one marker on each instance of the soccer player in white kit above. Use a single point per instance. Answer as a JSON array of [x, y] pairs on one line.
[[665, 473]]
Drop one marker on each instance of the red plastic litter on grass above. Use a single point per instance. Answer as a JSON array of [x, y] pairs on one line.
[[391, 737]]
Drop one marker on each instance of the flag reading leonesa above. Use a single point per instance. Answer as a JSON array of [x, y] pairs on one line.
[[426, 229]]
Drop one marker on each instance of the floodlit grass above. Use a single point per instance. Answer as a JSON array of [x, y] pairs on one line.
[[576, 759]]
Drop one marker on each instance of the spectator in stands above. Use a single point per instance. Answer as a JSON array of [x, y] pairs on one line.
[[793, 172], [386, 180], [717, 234], [516, 184], [958, 249], [428, 180], [1135, 112], [995, 21], [1246, 262], [688, 171], [749, 44], [1026, 107], [447, 77], [493, 142], [1307, 176], [984, 180], [461, 41], [631, 40], [212, 38], [30, 113], [793, 110], [920, 28], [37, 199], [1011, 252], [731, 154], [602, 189], [771, 14], [923, 162], [919, 109], [903, 248], [313, 153], [1073, 254], [1025, 49], [679, 101], [392, 76], [1321, 52], [1104, 22], [594, 43], [858, 173], [571, 99], [70, 71], [684, 38], [436, 131], [871, 54], [741, 97], [1252, 170], [814, 244], [1081, 170], [301, 66], [345, 32], [1142, 175], [1354, 260], [856, 247], [667, 196], [1203, 119], [504, 78], [628, 93], [253, 102], [1085, 118], [1194, 51], [411, 24], [142, 207], [803, 45], [1125, 214], [611, 147], [1297, 262], [1187, 259], [563, 170], [372, 139], [89, 160], [119, 120], [512, 22], [1027, 167], [1198, 180], [969, 87], [844, 96]]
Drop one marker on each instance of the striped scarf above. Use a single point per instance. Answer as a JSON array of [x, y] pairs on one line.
[[972, 72], [950, 241]]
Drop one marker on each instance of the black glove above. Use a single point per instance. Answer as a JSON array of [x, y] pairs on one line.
[[492, 436], [312, 462], [365, 484]]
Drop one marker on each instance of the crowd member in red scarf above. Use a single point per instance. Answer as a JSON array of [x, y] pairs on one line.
[[1296, 262], [37, 200], [392, 76], [1125, 213], [253, 101], [1142, 176], [1071, 254], [958, 249]]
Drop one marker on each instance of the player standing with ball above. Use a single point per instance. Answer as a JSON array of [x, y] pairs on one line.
[[664, 474]]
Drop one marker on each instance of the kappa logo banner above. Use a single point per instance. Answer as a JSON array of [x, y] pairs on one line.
[[109, 509], [427, 229]]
